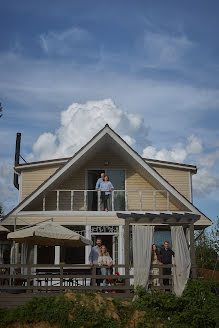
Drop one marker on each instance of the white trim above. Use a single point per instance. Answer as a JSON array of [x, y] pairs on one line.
[[190, 186], [181, 166], [88, 248], [129, 150], [154, 174], [95, 213], [27, 166], [61, 171], [20, 186], [150, 161]]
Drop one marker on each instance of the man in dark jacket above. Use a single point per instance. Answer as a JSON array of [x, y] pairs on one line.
[[166, 258]]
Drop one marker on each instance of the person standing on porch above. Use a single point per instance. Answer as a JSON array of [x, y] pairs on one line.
[[99, 181], [106, 188], [166, 258], [105, 262], [93, 257], [155, 259]]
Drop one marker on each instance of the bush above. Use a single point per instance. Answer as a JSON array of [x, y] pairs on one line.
[[197, 307]]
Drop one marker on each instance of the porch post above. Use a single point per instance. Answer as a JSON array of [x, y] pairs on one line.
[[192, 251], [127, 249]]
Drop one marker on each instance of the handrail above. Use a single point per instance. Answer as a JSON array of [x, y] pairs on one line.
[[84, 200], [38, 280]]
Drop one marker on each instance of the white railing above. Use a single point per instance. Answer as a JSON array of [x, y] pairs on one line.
[[119, 200]]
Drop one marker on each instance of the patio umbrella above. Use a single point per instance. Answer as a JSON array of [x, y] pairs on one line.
[[49, 234], [3, 230]]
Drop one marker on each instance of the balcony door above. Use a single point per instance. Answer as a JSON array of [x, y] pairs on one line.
[[117, 177]]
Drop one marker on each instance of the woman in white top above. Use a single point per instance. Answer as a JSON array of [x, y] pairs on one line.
[[105, 262]]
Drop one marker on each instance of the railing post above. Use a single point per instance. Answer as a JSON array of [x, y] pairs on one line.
[[168, 201], [57, 200], [192, 251], [72, 199], [28, 278], [127, 251], [44, 202], [61, 276], [126, 200], [140, 198], [113, 200], [154, 200], [93, 273], [160, 277], [85, 200], [98, 200]]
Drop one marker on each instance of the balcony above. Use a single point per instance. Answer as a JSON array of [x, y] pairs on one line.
[[119, 200]]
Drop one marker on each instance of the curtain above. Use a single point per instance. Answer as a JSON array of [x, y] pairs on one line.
[[142, 246], [182, 260]]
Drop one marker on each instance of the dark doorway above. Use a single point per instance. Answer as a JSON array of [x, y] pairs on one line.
[[93, 176], [107, 240]]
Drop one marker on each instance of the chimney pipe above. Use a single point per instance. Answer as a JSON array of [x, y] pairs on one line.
[[16, 158]]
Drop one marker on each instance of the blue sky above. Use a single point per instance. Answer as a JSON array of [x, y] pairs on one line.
[[157, 62]]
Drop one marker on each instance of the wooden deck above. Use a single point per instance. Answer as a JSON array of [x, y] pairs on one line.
[[19, 283]]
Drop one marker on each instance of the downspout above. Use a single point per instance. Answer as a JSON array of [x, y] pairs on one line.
[[16, 158]]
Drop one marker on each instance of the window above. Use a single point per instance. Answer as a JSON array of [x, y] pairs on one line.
[[73, 255], [45, 254]]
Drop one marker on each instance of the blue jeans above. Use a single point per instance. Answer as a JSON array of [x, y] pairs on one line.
[[106, 272]]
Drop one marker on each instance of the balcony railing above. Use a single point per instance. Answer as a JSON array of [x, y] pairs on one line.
[[119, 200]]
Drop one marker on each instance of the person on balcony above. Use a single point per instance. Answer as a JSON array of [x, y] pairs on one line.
[[105, 262], [166, 258], [106, 188], [155, 259], [99, 181]]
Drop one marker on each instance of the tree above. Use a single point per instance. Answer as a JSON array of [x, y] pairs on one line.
[[1, 210], [207, 248], [1, 110]]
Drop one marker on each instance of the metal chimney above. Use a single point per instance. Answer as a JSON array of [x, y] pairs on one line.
[[17, 157]]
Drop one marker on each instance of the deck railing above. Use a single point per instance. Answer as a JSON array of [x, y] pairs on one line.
[[16, 278], [119, 200]]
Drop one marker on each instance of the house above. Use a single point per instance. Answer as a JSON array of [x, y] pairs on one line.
[[64, 189]]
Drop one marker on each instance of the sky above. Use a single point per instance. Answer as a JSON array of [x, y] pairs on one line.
[[147, 68]]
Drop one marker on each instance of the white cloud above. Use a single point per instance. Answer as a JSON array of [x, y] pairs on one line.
[[63, 42], [80, 122], [8, 194], [208, 160], [194, 146], [204, 182], [178, 153]]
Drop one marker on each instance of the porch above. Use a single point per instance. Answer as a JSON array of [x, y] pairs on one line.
[[21, 282]]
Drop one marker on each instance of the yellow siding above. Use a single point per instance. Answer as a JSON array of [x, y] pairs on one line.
[[77, 181], [179, 178], [32, 178]]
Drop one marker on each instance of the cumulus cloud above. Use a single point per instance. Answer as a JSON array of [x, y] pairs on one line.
[[178, 153], [80, 122], [8, 194], [205, 180]]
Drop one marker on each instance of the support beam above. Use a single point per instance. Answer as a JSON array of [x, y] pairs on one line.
[[192, 251], [127, 249]]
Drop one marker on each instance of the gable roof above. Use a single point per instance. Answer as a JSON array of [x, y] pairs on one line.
[[123, 148], [50, 162]]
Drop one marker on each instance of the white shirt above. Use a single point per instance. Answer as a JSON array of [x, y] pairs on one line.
[[104, 259]]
